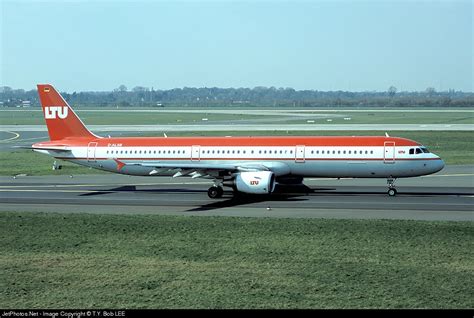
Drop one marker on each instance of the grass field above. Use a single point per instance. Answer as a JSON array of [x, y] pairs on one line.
[[134, 117], [455, 147], [121, 118], [35, 164], [112, 261]]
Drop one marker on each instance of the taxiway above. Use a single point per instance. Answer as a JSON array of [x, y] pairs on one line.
[[447, 195]]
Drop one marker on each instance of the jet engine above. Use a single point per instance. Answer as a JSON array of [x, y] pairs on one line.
[[259, 182]]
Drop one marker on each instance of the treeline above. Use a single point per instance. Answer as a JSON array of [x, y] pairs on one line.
[[258, 96]]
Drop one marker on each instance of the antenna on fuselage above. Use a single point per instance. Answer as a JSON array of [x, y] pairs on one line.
[[386, 134]]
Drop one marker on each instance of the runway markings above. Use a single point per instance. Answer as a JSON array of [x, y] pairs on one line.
[[450, 175], [354, 204], [101, 185], [16, 135], [57, 191], [35, 138], [432, 176]]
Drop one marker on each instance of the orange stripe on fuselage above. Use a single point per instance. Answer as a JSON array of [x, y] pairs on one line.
[[353, 141]]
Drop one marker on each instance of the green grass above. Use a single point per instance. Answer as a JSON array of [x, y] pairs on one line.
[[112, 261], [455, 147], [33, 163], [395, 118], [122, 118], [131, 117]]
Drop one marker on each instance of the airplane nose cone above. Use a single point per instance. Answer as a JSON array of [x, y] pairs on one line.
[[438, 165]]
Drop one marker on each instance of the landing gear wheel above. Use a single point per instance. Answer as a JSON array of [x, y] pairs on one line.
[[391, 187], [215, 192], [392, 192]]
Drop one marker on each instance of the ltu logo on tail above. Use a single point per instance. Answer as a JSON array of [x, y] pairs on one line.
[[53, 112]]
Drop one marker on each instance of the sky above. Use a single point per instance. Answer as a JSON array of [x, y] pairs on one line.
[[319, 45]]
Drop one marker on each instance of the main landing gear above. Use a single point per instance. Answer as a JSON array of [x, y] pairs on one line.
[[215, 192], [391, 187]]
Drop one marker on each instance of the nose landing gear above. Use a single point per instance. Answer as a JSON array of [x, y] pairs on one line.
[[391, 187]]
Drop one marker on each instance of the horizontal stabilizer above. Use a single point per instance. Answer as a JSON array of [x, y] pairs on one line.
[[58, 148]]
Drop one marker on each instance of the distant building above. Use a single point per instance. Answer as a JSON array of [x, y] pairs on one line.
[[26, 103]]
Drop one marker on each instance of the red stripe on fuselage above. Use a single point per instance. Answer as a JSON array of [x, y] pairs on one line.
[[354, 141]]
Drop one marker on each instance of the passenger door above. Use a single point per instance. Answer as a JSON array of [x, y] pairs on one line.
[[389, 152], [299, 153], [91, 151], [195, 153]]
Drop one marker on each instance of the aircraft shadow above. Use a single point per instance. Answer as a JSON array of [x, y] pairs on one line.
[[281, 193], [239, 200], [134, 189], [287, 193]]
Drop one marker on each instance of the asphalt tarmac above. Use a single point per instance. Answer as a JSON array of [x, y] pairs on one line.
[[447, 195]]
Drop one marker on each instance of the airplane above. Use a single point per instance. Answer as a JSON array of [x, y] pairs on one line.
[[251, 165]]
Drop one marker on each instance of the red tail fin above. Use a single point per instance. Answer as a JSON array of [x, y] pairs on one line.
[[60, 119]]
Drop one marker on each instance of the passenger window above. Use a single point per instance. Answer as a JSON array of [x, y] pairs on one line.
[[411, 151]]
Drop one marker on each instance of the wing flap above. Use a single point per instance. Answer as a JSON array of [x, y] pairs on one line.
[[189, 168]]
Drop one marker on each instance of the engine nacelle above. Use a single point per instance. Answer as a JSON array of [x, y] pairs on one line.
[[259, 182]]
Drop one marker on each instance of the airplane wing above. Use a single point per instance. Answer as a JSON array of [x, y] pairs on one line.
[[196, 169]]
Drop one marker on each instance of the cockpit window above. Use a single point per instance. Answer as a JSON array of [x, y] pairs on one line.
[[412, 151], [425, 150], [418, 150]]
